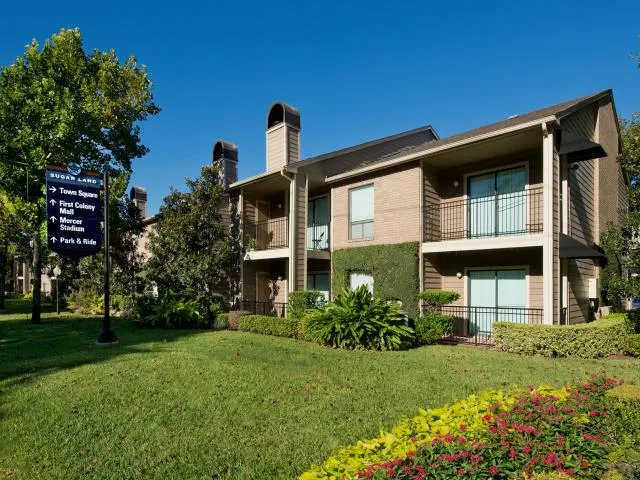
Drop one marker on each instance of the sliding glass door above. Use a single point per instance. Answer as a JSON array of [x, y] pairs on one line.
[[318, 224], [497, 204], [495, 295]]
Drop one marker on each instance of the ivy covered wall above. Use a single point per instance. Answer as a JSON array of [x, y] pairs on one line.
[[394, 269]]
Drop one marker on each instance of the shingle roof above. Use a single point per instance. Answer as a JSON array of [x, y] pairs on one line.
[[559, 110]]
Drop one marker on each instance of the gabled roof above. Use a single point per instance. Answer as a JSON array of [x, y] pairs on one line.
[[558, 111], [514, 123], [366, 153]]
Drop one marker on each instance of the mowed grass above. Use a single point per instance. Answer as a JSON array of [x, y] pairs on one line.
[[204, 404]]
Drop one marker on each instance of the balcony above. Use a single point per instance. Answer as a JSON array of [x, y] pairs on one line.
[[507, 214], [272, 233]]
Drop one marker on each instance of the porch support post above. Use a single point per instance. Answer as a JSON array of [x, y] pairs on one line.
[[292, 226], [240, 213], [549, 180], [421, 204]]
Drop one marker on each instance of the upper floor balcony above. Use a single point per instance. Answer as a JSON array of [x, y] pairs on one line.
[[517, 212], [267, 234]]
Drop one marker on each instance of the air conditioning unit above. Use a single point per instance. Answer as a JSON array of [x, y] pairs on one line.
[[594, 287]]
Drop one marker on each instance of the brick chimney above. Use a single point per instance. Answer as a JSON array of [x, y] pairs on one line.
[[226, 153], [138, 196]]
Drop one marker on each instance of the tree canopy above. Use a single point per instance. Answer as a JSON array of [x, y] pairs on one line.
[[59, 104], [189, 246]]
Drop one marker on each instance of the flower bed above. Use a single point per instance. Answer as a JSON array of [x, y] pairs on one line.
[[497, 434]]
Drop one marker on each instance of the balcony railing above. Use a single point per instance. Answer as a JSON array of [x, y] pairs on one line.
[[475, 324], [318, 234], [516, 213], [267, 234]]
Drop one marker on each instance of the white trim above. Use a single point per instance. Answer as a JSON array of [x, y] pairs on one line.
[[489, 243], [267, 254], [422, 203], [547, 208], [241, 227], [431, 151], [467, 280], [292, 229]]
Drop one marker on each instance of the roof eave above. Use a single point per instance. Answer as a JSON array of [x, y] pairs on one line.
[[425, 153]]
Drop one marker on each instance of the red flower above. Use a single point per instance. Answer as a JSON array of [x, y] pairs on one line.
[[494, 470], [463, 427]]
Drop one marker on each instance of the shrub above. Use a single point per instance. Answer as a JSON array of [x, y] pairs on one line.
[[468, 417], [432, 327], [86, 302], [170, 311], [632, 345], [301, 301], [221, 322], [234, 318], [634, 319], [357, 319], [27, 296], [437, 298], [266, 325], [623, 413], [536, 433], [601, 338]]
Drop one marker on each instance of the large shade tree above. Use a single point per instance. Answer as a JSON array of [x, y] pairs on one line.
[[60, 104], [190, 246]]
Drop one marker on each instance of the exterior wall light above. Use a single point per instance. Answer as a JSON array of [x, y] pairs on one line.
[[459, 274]]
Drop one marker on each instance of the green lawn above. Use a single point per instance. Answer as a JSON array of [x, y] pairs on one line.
[[189, 404]]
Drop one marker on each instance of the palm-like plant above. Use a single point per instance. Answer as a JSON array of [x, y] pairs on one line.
[[358, 320]]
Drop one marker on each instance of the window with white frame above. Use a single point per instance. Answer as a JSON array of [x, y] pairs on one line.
[[356, 279], [361, 212]]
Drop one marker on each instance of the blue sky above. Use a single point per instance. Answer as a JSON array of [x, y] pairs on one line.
[[356, 70]]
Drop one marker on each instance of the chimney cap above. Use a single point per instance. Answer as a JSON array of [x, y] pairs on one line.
[[280, 112], [138, 193], [226, 150]]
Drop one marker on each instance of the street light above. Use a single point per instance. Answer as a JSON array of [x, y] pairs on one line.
[[57, 271]]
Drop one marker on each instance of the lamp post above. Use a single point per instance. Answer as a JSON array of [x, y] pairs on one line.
[[57, 271], [107, 336]]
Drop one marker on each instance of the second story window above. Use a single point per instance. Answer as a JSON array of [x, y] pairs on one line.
[[361, 212]]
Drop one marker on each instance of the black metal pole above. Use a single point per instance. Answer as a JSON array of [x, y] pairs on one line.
[[106, 336], [57, 296]]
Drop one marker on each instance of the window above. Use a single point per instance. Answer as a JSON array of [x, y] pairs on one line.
[[320, 282], [361, 212], [360, 278]]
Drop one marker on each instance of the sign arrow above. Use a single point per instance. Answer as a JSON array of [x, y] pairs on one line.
[[53, 239], [53, 219], [53, 189], [52, 201]]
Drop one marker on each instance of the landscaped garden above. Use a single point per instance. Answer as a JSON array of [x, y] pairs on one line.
[[227, 404]]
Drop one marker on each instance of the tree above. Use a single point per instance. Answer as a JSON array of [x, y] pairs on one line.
[[11, 238], [59, 104], [190, 247]]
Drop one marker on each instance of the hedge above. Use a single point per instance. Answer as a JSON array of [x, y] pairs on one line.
[[632, 345], [234, 318], [266, 325], [623, 412], [601, 338], [394, 269]]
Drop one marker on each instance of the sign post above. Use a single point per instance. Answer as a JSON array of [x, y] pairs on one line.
[[73, 222], [57, 271]]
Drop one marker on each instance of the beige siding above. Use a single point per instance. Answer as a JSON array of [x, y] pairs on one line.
[[397, 208], [275, 148], [445, 192], [578, 302], [581, 123], [301, 231], [582, 202], [612, 189], [448, 265], [432, 278], [293, 144], [556, 239]]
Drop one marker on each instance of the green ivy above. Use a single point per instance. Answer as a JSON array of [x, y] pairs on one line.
[[394, 269]]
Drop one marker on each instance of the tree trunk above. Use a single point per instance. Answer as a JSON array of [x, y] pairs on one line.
[[4, 252], [36, 278]]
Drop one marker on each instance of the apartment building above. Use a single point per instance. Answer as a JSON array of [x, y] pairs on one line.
[[508, 215]]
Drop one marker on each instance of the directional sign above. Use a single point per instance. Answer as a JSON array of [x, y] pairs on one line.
[[73, 211]]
